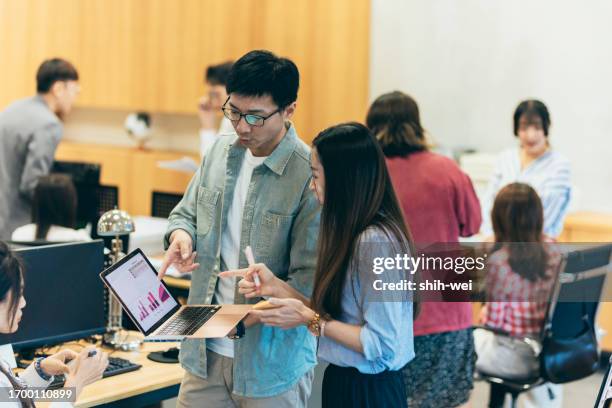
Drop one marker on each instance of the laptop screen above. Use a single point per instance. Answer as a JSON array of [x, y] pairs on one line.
[[142, 294]]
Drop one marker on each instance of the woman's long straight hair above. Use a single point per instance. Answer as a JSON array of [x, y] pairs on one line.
[[54, 203], [518, 220], [358, 193]]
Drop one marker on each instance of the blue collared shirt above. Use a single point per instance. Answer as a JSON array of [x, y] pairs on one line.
[[386, 318], [281, 223]]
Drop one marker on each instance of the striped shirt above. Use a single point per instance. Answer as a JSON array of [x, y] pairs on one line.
[[549, 175]]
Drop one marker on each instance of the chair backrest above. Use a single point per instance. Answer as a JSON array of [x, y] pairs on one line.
[[107, 198], [604, 398], [578, 290], [163, 203]]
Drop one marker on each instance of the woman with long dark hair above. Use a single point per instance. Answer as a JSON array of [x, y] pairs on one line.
[[519, 281], [54, 210], [85, 368], [364, 335], [440, 205]]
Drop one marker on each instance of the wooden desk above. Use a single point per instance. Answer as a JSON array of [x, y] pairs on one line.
[[586, 226], [151, 383]]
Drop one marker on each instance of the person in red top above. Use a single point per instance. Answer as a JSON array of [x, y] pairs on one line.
[[440, 205], [521, 273]]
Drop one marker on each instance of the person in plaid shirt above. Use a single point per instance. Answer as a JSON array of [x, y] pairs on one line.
[[516, 304], [520, 277]]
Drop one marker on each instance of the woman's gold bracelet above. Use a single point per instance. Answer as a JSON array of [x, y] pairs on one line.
[[315, 325]]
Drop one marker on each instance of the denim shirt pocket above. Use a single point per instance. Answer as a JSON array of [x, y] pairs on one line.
[[274, 231], [206, 208]]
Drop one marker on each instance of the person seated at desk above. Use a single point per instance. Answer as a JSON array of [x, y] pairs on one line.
[[520, 279], [212, 122], [53, 213], [534, 162], [86, 367]]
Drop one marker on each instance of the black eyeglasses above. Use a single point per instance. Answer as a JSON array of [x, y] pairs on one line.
[[249, 118]]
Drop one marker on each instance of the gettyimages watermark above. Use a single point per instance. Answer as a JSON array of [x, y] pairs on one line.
[[487, 272]]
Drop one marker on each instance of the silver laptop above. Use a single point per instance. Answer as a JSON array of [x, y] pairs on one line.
[[157, 313]]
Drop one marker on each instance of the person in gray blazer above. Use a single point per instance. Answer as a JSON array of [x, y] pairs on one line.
[[30, 130]]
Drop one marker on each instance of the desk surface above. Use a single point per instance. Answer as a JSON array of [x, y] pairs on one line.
[[151, 376]]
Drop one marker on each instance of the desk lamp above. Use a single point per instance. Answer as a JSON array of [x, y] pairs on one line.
[[115, 223]]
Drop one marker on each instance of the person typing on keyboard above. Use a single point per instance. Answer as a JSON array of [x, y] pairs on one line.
[[80, 369]]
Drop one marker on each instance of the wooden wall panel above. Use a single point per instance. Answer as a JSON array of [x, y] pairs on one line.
[[150, 54]]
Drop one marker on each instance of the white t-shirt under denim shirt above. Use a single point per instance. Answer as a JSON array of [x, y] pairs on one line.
[[230, 246]]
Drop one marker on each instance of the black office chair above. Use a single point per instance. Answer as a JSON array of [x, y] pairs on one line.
[[107, 198], [575, 295], [604, 398], [162, 204]]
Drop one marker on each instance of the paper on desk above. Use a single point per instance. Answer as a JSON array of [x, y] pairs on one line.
[[184, 164]]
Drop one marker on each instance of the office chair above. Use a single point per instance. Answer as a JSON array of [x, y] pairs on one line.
[[576, 294], [107, 198], [604, 398], [163, 203]]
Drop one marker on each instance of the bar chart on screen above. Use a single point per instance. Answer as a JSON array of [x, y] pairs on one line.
[[142, 292]]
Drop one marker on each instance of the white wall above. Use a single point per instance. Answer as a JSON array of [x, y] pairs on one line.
[[469, 62]]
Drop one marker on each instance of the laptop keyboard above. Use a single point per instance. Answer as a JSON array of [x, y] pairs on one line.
[[189, 320]]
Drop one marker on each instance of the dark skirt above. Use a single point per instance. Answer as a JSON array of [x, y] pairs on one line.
[[441, 373], [347, 387]]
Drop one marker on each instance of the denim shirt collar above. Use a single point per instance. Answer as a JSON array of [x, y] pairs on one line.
[[278, 159]]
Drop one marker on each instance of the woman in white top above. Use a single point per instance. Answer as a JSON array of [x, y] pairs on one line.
[[54, 210], [80, 369], [534, 162]]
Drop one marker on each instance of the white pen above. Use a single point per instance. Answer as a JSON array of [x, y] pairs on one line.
[[248, 252]]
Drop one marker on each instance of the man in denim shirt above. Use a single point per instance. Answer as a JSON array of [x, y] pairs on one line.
[[252, 189]]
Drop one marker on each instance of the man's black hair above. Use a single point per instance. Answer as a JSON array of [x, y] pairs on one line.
[[218, 74], [260, 72], [53, 70]]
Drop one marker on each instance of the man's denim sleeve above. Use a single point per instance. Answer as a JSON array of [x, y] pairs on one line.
[[304, 236], [184, 215]]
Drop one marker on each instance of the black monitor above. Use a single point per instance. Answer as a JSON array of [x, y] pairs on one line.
[[65, 299], [86, 179]]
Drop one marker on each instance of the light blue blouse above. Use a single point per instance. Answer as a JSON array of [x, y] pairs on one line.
[[386, 318], [549, 175]]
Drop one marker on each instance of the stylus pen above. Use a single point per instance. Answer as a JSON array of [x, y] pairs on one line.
[[248, 252]]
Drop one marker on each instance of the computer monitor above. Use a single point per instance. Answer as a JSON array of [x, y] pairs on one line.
[[65, 299], [86, 178]]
